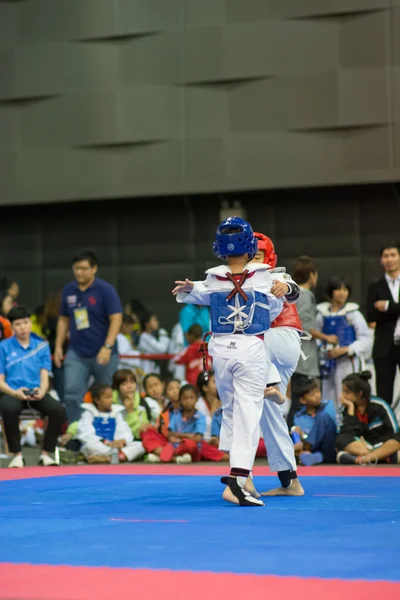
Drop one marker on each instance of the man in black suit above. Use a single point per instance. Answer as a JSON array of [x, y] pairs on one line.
[[383, 308]]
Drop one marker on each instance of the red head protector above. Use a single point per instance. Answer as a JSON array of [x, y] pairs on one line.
[[265, 244]]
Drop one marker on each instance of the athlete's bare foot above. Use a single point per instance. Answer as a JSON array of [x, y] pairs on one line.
[[294, 490], [249, 487], [229, 496]]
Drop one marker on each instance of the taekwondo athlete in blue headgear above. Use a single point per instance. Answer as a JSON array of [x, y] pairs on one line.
[[242, 308]]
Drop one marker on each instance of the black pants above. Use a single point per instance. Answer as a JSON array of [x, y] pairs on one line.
[[10, 409], [385, 369]]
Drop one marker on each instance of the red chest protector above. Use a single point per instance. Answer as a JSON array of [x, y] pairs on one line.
[[289, 317]]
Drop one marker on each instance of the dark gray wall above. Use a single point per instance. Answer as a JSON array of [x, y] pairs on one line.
[[144, 246], [122, 98]]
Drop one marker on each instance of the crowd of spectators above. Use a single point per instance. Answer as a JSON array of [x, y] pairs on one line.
[[111, 385]]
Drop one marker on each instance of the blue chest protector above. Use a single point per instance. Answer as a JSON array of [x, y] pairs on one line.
[[250, 316], [335, 325], [105, 427], [339, 325]]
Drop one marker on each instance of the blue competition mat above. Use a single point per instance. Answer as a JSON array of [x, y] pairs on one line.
[[344, 527]]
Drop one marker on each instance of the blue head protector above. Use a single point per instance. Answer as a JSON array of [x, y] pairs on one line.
[[235, 237]]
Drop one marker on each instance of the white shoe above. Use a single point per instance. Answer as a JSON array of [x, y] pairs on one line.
[[153, 458], [185, 459], [46, 461], [17, 462]]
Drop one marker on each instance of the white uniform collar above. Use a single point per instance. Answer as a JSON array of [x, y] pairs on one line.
[[251, 267], [325, 308], [115, 409]]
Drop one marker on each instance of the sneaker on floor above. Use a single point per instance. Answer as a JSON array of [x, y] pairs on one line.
[[311, 459], [17, 462], [46, 461], [345, 458], [185, 459], [153, 458]]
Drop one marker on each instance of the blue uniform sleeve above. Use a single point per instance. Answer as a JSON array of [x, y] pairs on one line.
[[64, 304], [216, 424], [2, 360], [112, 300], [200, 426], [45, 358]]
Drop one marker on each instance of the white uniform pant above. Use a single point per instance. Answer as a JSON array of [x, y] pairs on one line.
[[332, 385], [240, 366], [283, 347], [132, 451]]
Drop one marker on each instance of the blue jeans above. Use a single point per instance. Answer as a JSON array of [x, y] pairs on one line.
[[77, 372], [322, 436]]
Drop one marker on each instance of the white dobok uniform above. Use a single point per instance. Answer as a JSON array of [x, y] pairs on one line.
[[238, 351], [352, 332]]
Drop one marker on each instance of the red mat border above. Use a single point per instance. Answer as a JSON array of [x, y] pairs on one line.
[[44, 582], [192, 470]]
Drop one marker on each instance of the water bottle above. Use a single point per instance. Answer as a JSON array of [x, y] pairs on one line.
[[115, 456]]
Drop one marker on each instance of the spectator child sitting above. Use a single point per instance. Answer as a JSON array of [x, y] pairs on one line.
[[102, 428], [369, 432], [189, 425], [154, 389], [191, 356], [185, 431], [157, 437], [316, 425], [125, 392], [208, 401]]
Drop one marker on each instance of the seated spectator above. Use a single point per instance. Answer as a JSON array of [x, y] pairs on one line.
[[125, 392], [154, 389], [8, 285], [192, 356], [180, 447], [369, 432], [153, 340], [208, 401], [6, 304], [156, 437], [25, 364], [316, 425], [102, 428], [124, 344]]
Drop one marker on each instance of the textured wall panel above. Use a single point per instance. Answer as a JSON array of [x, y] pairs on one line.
[[125, 98]]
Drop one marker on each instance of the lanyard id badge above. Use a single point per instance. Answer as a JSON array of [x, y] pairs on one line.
[[81, 318]]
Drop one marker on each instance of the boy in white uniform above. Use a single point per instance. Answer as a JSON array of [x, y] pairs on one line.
[[283, 346], [242, 308]]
